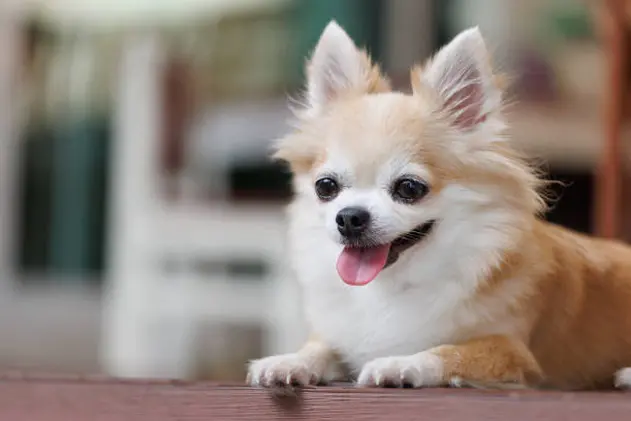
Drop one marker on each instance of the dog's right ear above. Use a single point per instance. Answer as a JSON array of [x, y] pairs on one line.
[[337, 67]]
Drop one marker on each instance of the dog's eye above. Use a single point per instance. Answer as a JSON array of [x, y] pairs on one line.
[[326, 188], [409, 191]]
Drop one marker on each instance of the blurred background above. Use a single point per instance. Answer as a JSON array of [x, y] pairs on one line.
[[141, 222]]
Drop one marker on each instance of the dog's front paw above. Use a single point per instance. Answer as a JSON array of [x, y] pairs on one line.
[[419, 370], [281, 370]]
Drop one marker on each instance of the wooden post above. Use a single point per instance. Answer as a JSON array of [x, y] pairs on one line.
[[609, 177]]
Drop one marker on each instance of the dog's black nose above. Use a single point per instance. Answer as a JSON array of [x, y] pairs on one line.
[[352, 221]]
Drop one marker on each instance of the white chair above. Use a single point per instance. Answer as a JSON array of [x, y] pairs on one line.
[[151, 315]]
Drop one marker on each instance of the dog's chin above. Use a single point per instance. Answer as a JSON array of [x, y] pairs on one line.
[[400, 244]]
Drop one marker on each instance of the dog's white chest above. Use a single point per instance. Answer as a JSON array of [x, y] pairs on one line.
[[363, 323]]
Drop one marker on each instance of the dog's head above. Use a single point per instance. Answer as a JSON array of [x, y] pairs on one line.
[[384, 169]]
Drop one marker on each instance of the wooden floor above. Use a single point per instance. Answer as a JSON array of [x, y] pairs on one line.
[[44, 398]]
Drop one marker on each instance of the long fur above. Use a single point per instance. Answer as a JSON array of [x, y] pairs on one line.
[[494, 296]]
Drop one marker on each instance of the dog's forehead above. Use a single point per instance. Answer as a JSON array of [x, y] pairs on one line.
[[376, 136], [369, 167]]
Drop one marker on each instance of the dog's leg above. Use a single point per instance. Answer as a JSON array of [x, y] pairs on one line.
[[491, 360], [312, 364]]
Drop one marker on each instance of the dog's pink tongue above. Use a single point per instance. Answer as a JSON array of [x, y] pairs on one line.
[[359, 266]]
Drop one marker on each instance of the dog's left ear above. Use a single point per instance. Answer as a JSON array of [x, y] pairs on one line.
[[461, 76]]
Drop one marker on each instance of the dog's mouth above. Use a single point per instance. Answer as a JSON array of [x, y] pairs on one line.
[[359, 265]]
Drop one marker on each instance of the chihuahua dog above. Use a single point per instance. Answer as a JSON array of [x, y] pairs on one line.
[[417, 238]]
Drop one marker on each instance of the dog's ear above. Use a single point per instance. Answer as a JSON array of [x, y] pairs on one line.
[[337, 67], [461, 76]]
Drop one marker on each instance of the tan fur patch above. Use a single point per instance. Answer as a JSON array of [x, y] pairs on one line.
[[581, 337], [492, 359], [579, 312]]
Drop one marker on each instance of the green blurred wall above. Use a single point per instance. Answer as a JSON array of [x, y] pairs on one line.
[[360, 18]]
